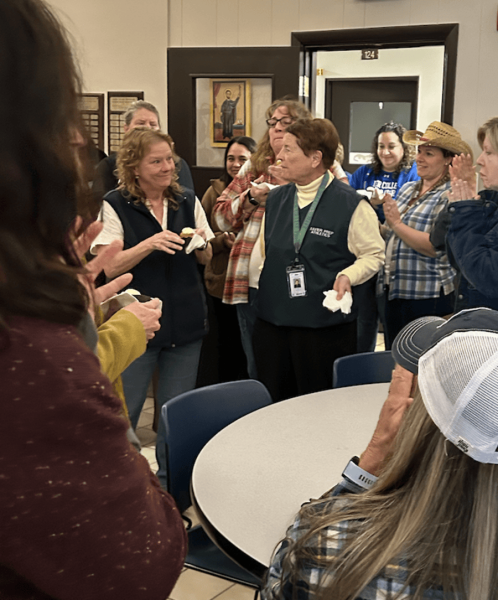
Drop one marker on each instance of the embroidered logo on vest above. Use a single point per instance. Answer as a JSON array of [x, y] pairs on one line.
[[322, 232]]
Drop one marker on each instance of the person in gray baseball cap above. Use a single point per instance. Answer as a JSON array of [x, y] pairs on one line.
[[416, 515]]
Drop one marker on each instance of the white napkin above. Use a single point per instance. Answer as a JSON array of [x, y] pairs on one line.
[[370, 191], [259, 186], [334, 305], [197, 241]]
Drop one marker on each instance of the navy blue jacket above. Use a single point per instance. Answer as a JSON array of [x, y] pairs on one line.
[[472, 243]]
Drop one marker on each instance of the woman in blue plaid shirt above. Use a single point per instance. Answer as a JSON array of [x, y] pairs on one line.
[[417, 280]]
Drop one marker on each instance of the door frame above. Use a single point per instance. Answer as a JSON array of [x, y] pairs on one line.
[[411, 36], [185, 65]]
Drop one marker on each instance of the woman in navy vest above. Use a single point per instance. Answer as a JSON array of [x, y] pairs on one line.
[[319, 235], [148, 212]]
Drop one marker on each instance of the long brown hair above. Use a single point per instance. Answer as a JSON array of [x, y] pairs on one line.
[[264, 155], [136, 145], [433, 506], [409, 151], [39, 177]]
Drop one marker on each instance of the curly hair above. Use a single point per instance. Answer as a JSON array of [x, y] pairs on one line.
[[409, 151], [136, 145], [264, 155]]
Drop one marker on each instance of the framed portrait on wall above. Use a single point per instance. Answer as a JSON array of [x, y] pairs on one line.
[[230, 110]]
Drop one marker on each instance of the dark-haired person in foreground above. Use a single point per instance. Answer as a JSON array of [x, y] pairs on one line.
[[415, 515], [82, 514], [319, 235]]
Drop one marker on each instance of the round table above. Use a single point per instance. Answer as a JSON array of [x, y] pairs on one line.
[[250, 480]]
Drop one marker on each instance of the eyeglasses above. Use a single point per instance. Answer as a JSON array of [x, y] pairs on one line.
[[284, 121]]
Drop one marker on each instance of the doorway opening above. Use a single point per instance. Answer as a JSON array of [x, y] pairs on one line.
[[359, 107]]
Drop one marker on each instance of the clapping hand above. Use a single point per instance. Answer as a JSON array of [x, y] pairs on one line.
[[391, 211], [463, 179]]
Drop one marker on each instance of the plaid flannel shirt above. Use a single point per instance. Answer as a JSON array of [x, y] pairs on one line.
[[414, 276], [228, 215], [329, 542]]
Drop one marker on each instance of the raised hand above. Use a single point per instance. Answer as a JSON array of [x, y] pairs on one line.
[[398, 400], [391, 211], [462, 168]]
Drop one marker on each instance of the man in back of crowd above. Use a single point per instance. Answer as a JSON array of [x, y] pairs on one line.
[[138, 114]]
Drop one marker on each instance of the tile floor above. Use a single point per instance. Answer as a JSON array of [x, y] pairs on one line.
[[194, 585]]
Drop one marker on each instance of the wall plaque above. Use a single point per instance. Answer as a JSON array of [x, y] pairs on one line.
[[92, 114], [117, 103]]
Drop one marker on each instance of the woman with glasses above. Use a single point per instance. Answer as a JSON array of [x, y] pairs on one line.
[[241, 208]]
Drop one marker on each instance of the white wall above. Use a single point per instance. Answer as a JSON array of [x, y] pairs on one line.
[[123, 43], [270, 23], [425, 63]]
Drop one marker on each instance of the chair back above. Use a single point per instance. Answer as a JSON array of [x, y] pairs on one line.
[[363, 368], [194, 417]]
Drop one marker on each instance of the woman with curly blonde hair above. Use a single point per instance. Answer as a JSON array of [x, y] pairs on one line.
[[148, 212]]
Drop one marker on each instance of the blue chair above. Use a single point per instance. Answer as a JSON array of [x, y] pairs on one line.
[[359, 369], [191, 420]]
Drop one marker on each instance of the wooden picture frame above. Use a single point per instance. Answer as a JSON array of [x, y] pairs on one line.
[[230, 110]]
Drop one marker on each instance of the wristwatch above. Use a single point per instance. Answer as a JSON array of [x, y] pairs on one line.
[[252, 200], [357, 475]]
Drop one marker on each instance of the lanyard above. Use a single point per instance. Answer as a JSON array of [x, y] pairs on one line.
[[299, 233]]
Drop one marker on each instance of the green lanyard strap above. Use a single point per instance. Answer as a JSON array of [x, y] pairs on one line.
[[299, 233]]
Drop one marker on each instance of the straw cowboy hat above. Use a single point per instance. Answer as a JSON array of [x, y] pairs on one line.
[[439, 135]]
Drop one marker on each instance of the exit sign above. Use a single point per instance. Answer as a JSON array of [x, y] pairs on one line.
[[370, 54]]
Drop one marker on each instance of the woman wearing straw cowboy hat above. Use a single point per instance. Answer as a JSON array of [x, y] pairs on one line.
[[417, 280]]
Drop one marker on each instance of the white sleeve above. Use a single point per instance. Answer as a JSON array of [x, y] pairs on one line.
[[201, 220], [113, 228]]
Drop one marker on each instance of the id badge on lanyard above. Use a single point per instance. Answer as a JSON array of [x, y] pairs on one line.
[[296, 279]]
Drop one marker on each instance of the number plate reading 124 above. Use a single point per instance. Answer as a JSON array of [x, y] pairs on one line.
[[370, 54]]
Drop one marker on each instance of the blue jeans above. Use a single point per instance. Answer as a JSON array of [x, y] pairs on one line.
[[246, 315], [177, 374]]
